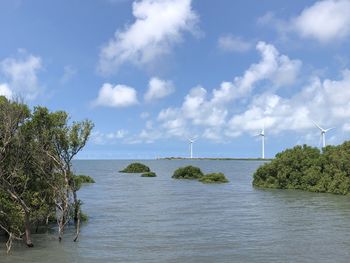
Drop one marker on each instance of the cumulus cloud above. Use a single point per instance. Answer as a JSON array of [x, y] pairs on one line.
[[20, 75], [158, 89], [117, 96], [326, 102], [325, 21], [233, 44], [234, 109], [210, 110], [158, 26], [277, 68], [101, 138]]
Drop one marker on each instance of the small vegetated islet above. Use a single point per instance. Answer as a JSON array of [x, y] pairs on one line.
[[136, 168], [194, 173], [306, 168], [149, 174], [214, 178], [188, 172]]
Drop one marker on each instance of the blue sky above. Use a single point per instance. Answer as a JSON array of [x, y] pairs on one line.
[[152, 73]]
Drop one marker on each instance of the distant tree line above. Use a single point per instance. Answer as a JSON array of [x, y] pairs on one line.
[[37, 186], [306, 168]]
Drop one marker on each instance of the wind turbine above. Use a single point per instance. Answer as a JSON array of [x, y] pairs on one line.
[[323, 134], [262, 135], [191, 141]]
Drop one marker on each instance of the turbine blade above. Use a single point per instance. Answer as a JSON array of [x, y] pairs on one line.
[[329, 129], [318, 126]]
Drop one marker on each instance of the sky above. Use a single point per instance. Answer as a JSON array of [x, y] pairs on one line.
[[151, 74]]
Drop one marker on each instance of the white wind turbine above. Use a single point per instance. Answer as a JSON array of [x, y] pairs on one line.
[[191, 141], [323, 134], [262, 135]]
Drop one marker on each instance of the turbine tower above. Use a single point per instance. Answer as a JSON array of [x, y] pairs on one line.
[[323, 133], [262, 135], [191, 141]]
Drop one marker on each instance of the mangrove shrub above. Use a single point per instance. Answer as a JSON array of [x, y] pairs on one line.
[[37, 185], [306, 168], [136, 168], [149, 174], [188, 172], [214, 178]]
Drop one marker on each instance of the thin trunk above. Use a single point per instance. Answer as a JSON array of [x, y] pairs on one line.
[[37, 226], [77, 226], [65, 213], [29, 242], [10, 239], [75, 197], [76, 205], [60, 230], [9, 243]]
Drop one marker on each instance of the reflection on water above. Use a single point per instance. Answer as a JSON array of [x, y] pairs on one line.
[[136, 219]]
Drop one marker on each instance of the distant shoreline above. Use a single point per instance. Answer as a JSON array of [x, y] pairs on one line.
[[214, 158], [182, 158]]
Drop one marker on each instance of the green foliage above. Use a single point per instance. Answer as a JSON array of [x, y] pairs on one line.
[[188, 172], [305, 168], [214, 178], [149, 174], [82, 179], [84, 217], [136, 168], [36, 150]]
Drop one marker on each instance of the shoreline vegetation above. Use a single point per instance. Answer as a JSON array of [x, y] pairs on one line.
[[37, 185], [307, 168]]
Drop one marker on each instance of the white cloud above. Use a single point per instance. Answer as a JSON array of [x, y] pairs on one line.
[[117, 96], [233, 109], [324, 21], [149, 135], [209, 111], [5, 91], [119, 134], [326, 102], [233, 44], [158, 89], [101, 138], [20, 75], [277, 68], [159, 24]]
